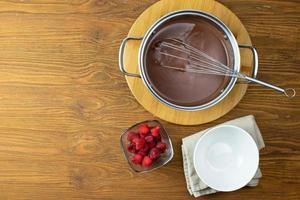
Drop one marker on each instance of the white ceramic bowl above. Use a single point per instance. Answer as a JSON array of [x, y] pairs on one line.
[[226, 158]]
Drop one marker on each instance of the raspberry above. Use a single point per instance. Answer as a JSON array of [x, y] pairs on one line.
[[155, 131], [154, 153], [151, 144], [143, 129], [131, 136], [137, 159], [139, 143], [144, 151], [147, 161], [162, 146], [131, 148], [149, 138]]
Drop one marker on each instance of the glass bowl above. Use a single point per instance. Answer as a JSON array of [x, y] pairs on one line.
[[164, 158]]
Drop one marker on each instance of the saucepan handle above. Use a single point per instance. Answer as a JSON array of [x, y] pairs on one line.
[[255, 60], [121, 56]]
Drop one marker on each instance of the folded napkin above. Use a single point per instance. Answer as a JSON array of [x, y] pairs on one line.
[[194, 184]]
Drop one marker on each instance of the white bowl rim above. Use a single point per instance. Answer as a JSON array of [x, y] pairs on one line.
[[207, 132]]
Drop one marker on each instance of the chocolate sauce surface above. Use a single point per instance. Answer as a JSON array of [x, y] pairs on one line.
[[181, 87]]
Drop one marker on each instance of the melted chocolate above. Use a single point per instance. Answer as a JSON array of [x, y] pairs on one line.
[[185, 88]]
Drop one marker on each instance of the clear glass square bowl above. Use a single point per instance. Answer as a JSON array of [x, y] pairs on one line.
[[165, 157]]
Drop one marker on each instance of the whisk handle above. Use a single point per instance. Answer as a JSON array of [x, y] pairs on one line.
[[288, 92], [121, 56]]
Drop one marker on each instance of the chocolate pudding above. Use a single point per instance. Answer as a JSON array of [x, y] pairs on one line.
[[180, 87]]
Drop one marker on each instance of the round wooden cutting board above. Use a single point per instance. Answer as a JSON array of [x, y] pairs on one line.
[[139, 90]]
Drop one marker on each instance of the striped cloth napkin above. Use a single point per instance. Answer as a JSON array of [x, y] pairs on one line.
[[194, 184]]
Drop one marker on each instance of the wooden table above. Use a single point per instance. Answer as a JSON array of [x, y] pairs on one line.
[[64, 103]]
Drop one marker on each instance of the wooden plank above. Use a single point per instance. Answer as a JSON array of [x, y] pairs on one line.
[[64, 103]]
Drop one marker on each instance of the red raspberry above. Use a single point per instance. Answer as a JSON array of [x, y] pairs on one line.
[[154, 153], [149, 138], [131, 135], [147, 161], [151, 144], [131, 148], [137, 159], [162, 146], [144, 151], [139, 143], [155, 131], [143, 129]]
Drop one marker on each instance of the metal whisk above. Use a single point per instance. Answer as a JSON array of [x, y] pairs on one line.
[[196, 61]]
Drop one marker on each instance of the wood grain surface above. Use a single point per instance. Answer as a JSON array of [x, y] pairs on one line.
[[64, 103]]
